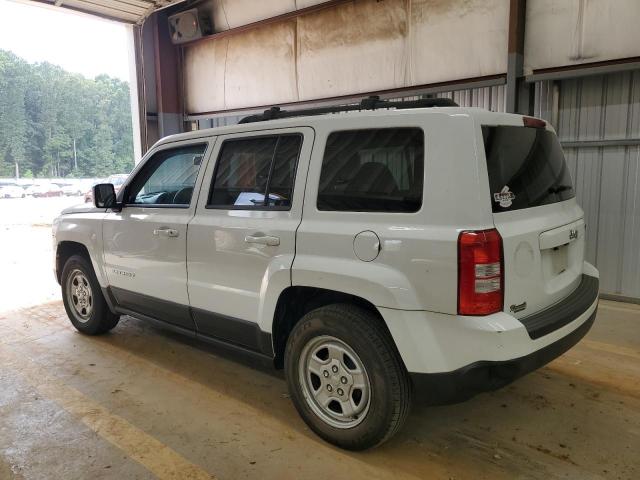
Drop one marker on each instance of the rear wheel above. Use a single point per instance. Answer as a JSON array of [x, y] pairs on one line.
[[346, 378], [83, 300]]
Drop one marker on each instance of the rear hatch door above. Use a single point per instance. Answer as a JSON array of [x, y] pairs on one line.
[[535, 211]]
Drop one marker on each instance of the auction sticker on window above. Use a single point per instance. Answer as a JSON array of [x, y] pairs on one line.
[[505, 197]]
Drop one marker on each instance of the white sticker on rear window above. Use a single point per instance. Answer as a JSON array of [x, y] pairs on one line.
[[505, 197]]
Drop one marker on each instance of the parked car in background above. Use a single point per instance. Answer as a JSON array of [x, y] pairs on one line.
[[47, 190], [12, 191], [73, 190], [30, 190], [116, 180]]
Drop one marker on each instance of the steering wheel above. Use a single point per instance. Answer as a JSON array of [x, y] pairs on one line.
[[184, 190]]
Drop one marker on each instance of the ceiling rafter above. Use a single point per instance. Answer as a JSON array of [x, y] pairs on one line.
[[125, 11]]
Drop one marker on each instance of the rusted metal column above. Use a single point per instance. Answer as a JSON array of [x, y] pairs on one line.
[[168, 78], [136, 89], [146, 72], [519, 93]]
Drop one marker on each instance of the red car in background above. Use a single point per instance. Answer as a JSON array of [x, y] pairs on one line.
[[44, 190], [117, 181]]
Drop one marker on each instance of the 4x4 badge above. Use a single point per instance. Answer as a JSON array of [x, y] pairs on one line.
[[505, 197]]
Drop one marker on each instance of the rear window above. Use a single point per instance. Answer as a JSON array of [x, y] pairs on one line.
[[374, 170], [526, 167]]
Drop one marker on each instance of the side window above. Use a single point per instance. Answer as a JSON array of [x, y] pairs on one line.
[[167, 178], [374, 170], [256, 172]]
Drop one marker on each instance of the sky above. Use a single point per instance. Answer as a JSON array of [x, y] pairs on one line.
[[77, 43]]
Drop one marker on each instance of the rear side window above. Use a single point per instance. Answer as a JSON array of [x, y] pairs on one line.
[[526, 167], [374, 170], [256, 172]]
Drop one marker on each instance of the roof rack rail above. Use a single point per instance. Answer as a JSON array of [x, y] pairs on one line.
[[369, 103]]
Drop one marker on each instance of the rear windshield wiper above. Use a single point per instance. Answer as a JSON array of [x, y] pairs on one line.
[[560, 188]]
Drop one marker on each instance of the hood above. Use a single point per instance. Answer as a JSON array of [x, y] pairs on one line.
[[82, 208]]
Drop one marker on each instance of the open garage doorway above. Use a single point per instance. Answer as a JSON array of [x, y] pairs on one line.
[[66, 124], [66, 105]]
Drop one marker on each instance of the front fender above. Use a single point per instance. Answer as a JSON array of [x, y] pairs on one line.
[[85, 229]]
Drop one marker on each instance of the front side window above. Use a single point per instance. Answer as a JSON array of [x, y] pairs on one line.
[[374, 170], [256, 172], [167, 178]]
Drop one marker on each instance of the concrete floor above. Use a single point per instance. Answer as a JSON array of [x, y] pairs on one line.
[[145, 403]]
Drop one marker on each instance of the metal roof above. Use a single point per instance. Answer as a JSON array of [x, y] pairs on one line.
[[127, 11]]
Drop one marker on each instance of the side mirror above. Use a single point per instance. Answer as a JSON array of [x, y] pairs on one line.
[[104, 195]]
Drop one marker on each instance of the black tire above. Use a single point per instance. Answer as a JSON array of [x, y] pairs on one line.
[[390, 386], [99, 319]]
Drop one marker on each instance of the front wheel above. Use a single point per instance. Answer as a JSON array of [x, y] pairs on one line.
[[83, 300], [346, 377]]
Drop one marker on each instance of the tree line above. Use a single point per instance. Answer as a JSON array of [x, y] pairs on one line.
[[54, 123]]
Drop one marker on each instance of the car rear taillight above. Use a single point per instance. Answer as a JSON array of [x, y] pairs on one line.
[[480, 272]]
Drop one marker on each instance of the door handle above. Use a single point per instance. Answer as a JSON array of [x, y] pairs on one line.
[[263, 239], [166, 232]]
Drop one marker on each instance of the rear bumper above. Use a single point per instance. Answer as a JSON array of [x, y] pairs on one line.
[[483, 376], [557, 316], [452, 357]]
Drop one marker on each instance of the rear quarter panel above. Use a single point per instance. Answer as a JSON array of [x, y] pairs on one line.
[[417, 265]]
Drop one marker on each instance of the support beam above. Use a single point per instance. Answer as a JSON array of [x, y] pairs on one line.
[[585, 69], [147, 86], [159, 72], [136, 92], [622, 142], [519, 93], [168, 73]]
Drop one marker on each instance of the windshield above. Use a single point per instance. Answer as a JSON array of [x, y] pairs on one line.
[[526, 167]]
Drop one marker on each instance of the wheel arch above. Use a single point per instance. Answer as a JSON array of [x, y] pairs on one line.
[[64, 251], [296, 301], [80, 234]]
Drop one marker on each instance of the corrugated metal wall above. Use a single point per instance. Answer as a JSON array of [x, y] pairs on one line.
[[598, 122], [490, 98]]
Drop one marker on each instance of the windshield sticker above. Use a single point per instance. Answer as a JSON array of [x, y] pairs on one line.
[[505, 197]]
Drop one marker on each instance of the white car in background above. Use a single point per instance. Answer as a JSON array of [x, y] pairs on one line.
[[72, 190], [34, 190], [12, 191]]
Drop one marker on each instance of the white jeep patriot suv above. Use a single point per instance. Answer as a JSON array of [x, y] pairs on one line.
[[377, 252]]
